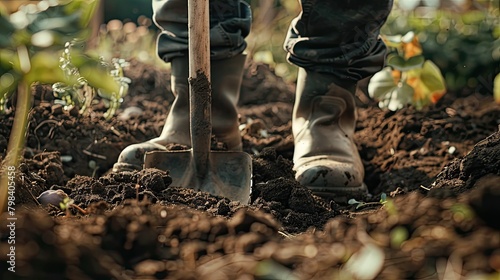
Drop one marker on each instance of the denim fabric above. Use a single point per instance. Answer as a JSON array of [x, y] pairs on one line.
[[230, 22], [339, 37]]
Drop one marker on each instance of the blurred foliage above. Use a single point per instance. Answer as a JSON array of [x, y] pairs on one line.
[[271, 20], [81, 93], [462, 39], [408, 78], [460, 36], [32, 38], [129, 40], [30, 42]]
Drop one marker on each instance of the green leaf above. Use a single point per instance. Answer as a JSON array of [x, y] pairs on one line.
[[396, 61], [7, 29], [85, 8], [473, 17], [9, 78], [45, 69], [398, 235], [415, 61], [431, 76], [381, 84], [3, 9], [353, 201], [402, 64], [56, 19], [6, 63], [8, 84], [66, 20], [96, 75]]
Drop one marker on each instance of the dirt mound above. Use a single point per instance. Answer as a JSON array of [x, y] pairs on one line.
[[433, 177]]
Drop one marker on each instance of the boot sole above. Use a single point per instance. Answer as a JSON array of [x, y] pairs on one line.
[[340, 194]]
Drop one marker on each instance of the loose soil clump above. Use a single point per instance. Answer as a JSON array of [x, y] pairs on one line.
[[433, 177]]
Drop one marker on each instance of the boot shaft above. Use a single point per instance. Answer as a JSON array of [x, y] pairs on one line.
[[323, 104], [226, 77], [326, 160]]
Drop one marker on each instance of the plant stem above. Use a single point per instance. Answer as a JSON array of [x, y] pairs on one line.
[[79, 209], [17, 138]]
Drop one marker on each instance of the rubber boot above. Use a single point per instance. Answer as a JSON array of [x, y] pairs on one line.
[[326, 159], [226, 77]]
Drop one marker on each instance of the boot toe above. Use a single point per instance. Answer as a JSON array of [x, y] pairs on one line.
[[132, 157], [324, 177]]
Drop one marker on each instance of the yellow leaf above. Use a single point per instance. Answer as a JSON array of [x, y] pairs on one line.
[[433, 79], [428, 84]]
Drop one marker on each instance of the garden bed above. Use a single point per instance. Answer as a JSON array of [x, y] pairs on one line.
[[438, 168]]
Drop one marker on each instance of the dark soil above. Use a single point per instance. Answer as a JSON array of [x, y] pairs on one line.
[[438, 168]]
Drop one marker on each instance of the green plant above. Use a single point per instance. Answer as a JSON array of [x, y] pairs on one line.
[[68, 203], [129, 40], [360, 204], [408, 78], [464, 43], [82, 93], [30, 42]]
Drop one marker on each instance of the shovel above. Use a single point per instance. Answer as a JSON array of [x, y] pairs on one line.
[[226, 174]]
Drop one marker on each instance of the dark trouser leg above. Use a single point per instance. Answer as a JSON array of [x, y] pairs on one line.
[[339, 37], [230, 22]]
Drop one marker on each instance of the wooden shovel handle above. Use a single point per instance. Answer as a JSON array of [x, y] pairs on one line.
[[199, 37], [200, 94]]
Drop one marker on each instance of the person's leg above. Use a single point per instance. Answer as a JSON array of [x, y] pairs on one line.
[[230, 22], [335, 44]]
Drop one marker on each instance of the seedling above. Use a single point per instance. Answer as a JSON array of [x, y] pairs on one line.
[[82, 93], [137, 187], [93, 165], [408, 77], [68, 203]]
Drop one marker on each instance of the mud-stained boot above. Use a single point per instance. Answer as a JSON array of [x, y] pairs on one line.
[[326, 159], [226, 77]]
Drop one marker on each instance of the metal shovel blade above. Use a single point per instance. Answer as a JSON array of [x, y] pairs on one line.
[[229, 173]]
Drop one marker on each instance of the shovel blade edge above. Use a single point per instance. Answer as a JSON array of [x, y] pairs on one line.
[[229, 175]]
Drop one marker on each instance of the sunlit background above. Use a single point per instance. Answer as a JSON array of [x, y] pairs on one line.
[[460, 36]]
